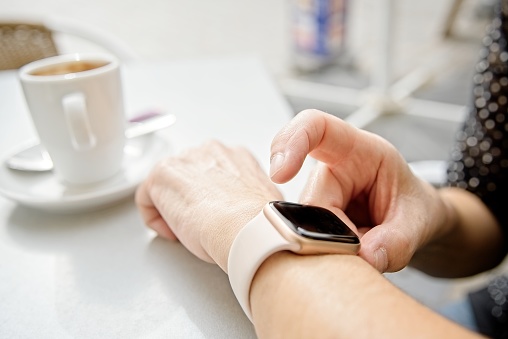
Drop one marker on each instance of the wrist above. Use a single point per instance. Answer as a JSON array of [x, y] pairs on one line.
[[443, 215], [282, 226], [444, 222], [217, 240], [450, 221]]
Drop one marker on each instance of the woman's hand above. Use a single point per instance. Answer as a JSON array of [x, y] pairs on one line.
[[362, 175], [204, 197]]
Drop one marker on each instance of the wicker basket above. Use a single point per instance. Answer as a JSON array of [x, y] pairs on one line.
[[22, 43]]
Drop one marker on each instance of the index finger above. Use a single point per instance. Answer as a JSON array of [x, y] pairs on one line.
[[311, 132]]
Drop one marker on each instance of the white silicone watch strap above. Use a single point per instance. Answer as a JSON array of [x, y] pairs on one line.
[[252, 246]]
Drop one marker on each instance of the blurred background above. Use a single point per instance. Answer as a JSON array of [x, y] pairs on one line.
[[434, 41], [418, 55]]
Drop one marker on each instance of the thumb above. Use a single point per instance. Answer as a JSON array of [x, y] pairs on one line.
[[387, 248]]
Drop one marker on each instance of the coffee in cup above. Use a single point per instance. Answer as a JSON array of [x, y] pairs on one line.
[[76, 105], [68, 67]]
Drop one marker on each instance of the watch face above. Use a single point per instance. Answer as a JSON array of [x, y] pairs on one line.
[[314, 222]]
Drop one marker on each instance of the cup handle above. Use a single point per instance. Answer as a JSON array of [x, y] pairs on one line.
[[76, 117]]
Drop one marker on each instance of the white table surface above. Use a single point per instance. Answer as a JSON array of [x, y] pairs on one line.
[[103, 274]]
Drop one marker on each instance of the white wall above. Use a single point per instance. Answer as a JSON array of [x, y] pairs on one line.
[[159, 29], [162, 29]]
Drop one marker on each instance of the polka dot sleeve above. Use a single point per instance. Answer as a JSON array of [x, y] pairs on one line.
[[479, 159]]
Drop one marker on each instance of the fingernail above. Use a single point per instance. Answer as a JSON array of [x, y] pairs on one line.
[[381, 259], [276, 163]]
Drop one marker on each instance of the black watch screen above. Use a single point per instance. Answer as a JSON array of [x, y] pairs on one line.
[[314, 222]]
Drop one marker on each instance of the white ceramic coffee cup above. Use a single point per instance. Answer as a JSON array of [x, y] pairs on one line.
[[78, 114]]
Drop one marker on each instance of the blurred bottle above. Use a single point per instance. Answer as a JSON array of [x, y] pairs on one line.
[[318, 28]]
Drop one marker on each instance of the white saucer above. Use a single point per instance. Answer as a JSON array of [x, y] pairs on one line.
[[41, 190]]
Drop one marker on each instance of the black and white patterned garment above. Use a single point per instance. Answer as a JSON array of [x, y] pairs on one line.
[[480, 156], [479, 160]]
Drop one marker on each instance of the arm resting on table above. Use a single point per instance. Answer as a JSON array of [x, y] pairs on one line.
[[337, 296]]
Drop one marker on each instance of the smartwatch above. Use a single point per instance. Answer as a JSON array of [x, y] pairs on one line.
[[280, 226]]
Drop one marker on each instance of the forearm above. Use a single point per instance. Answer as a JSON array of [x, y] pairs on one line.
[[337, 296], [472, 242]]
